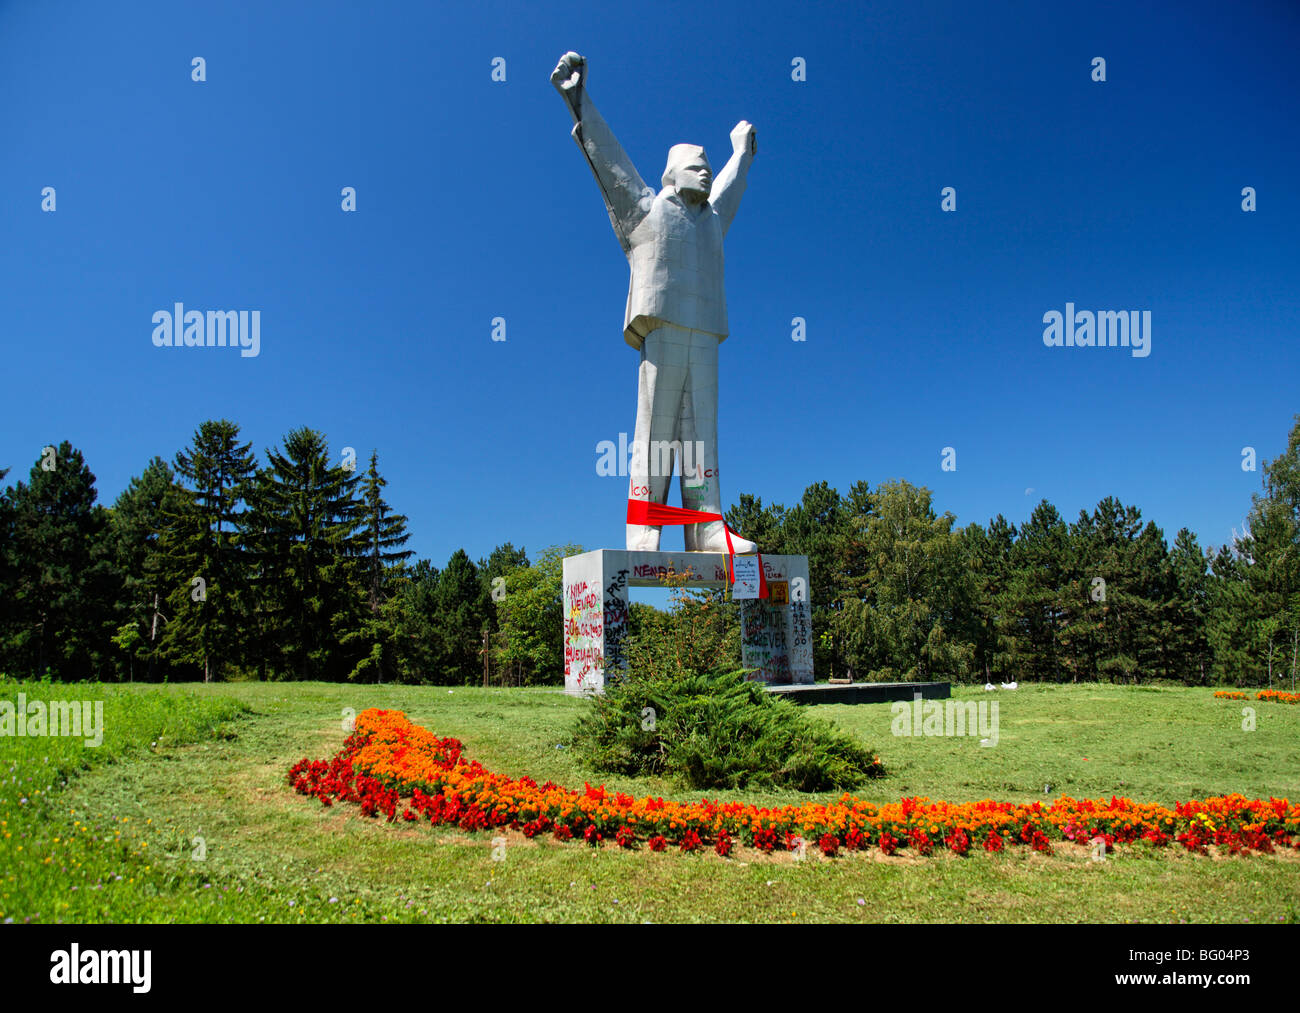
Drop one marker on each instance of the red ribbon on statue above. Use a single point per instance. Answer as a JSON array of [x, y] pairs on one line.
[[640, 511]]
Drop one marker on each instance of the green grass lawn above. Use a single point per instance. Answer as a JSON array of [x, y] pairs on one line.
[[109, 834]]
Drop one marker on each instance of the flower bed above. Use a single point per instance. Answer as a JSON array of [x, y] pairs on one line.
[[391, 767], [1276, 695]]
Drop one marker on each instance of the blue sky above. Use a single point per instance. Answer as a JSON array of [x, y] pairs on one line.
[[924, 328]]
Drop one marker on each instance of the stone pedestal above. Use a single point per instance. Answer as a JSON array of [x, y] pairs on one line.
[[776, 632]]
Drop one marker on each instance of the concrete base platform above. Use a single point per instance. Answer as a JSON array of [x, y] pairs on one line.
[[775, 632], [864, 692]]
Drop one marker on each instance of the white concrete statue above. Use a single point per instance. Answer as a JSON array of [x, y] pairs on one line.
[[676, 307]]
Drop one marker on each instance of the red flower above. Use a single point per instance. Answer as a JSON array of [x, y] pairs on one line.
[[389, 763], [764, 839], [957, 842], [830, 845], [657, 843], [855, 839]]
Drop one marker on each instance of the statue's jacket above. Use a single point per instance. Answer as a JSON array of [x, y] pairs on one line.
[[674, 251]]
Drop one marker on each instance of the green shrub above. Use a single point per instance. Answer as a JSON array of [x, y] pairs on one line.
[[716, 731]]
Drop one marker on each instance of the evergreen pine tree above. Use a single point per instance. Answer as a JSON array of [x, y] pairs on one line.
[[58, 613], [460, 617], [309, 566], [988, 556], [7, 587], [382, 534], [1188, 608], [138, 518], [411, 612], [1036, 613], [201, 562]]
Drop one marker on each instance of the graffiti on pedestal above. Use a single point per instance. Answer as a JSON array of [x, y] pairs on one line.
[[615, 620], [799, 626], [765, 645], [801, 653], [584, 621]]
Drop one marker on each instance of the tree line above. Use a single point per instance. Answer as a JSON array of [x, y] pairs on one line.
[[216, 565], [899, 592]]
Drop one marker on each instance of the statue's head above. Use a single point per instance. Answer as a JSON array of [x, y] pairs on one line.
[[688, 170]]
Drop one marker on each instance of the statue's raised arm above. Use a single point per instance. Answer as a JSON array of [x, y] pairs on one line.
[[730, 184], [627, 198]]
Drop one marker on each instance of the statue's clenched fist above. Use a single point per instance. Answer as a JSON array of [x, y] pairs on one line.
[[569, 73], [743, 136]]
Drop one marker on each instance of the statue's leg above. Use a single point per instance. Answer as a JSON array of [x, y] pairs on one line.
[[699, 445], [662, 376], [701, 489]]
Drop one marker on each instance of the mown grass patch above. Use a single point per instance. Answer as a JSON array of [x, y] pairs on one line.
[[275, 856]]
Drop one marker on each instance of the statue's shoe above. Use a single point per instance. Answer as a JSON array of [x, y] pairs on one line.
[[710, 537], [643, 538]]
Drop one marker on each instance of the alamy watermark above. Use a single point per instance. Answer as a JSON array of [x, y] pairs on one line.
[[74, 718], [75, 966], [666, 458], [179, 327], [1103, 329], [951, 717]]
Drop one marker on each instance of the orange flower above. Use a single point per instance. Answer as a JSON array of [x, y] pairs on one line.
[[405, 759]]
